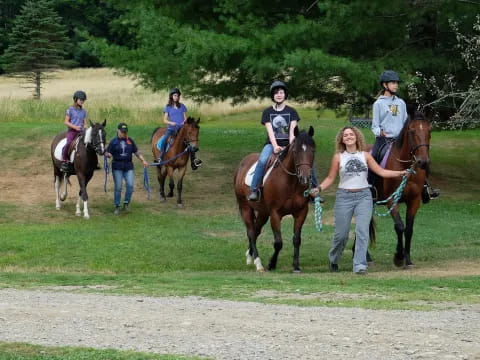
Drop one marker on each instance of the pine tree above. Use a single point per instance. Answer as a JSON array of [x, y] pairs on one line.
[[37, 44]]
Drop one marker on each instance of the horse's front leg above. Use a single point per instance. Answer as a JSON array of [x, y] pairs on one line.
[[409, 221], [181, 174], [83, 196], [297, 238], [275, 223], [161, 175], [171, 182], [399, 257]]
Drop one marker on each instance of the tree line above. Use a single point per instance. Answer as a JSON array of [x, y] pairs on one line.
[[329, 51]]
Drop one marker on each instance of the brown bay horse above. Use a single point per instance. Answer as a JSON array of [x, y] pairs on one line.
[[90, 143], [283, 194], [410, 150], [176, 158]]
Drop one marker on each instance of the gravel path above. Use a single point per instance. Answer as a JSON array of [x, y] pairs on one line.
[[235, 330]]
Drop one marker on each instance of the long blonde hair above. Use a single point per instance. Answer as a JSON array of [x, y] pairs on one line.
[[360, 143]]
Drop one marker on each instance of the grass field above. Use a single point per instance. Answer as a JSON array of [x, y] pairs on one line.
[[160, 250]]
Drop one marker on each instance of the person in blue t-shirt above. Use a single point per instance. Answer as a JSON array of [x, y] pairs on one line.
[[76, 121], [175, 115], [121, 149]]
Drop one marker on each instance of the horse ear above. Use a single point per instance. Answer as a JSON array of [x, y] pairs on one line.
[[198, 121], [296, 131], [311, 131], [411, 109], [104, 123], [91, 123]]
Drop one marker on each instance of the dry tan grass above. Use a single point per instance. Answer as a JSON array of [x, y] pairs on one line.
[[106, 89]]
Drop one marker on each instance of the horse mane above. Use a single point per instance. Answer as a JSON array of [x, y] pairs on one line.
[[87, 136], [417, 115]]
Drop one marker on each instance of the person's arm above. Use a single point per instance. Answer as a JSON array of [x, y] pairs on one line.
[[377, 169], [165, 120], [184, 114], [141, 158], [291, 137], [271, 137], [332, 173], [69, 124], [377, 131]]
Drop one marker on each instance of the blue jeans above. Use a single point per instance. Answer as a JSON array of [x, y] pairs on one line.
[[164, 141], [260, 168], [118, 176], [347, 205], [262, 163]]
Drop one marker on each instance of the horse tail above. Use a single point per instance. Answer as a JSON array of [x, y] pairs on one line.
[[372, 233]]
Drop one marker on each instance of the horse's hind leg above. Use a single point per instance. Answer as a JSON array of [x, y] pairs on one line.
[[58, 183], [409, 221], [277, 239], [254, 226], [399, 257]]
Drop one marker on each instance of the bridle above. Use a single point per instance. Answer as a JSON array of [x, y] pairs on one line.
[[296, 165], [97, 142]]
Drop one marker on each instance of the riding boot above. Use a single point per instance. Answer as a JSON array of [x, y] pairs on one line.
[[66, 166], [196, 163]]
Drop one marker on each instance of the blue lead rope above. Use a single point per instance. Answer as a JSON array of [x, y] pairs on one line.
[[146, 182], [397, 194], [107, 171], [318, 210]]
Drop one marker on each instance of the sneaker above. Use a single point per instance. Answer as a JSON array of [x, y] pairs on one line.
[[433, 193], [333, 267], [197, 162], [117, 210], [253, 196], [126, 208]]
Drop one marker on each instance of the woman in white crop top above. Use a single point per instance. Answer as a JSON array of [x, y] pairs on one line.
[[353, 196]]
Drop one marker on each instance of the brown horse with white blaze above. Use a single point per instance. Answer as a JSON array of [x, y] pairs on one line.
[[283, 194]]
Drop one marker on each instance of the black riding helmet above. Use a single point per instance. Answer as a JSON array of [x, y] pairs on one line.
[[79, 94], [278, 85], [174, 91], [387, 76]]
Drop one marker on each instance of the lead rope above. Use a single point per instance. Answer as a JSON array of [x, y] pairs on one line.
[[396, 195], [318, 209], [146, 183]]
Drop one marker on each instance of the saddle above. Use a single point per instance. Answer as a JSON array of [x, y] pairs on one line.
[[169, 141], [272, 163]]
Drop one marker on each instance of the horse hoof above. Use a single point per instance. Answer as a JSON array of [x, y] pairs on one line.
[[162, 199], [57, 207], [180, 206], [297, 271], [398, 262], [86, 217], [78, 214], [170, 195], [261, 270], [410, 266]]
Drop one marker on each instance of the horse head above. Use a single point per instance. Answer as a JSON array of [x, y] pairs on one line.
[[95, 137], [417, 131], [303, 154], [192, 130]]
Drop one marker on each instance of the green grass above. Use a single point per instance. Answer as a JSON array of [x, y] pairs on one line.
[[21, 351], [158, 249]]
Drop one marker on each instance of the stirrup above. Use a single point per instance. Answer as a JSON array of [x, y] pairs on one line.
[[253, 196]]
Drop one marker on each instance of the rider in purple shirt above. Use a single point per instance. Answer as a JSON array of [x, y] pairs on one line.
[[76, 121]]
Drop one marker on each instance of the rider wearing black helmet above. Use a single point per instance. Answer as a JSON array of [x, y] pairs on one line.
[[279, 120], [76, 121], [175, 115], [389, 117]]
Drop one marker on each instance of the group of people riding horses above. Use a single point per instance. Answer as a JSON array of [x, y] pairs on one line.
[[359, 170], [356, 167], [122, 147]]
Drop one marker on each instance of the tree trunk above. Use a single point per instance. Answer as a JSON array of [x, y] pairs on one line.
[[38, 74]]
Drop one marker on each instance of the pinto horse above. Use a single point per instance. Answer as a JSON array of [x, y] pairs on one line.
[[283, 194], [176, 158], [86, 147], [411, 150]]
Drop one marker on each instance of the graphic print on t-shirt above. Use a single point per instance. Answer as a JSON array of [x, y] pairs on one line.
[[354, 167], [393, 109], [123, 145], [280, 123]]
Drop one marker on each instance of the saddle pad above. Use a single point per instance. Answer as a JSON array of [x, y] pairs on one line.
[[59, 149], [383, 163], [159, 144], [251, 171]]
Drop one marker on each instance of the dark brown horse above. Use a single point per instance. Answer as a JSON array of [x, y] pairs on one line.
[[176, 158], [411, 149], [90, 143], [283, 194]]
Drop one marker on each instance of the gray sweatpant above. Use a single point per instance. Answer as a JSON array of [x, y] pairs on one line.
[[347, 205]]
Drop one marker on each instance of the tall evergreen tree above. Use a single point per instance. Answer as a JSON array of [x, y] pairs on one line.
[[37, 44]]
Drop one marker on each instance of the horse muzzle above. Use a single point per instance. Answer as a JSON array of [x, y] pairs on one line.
[[422, 163], [304, 177]]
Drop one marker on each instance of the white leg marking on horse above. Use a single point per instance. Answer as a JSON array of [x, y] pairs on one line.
[[57, 192], [258, 264], [78, 212], [249, 257], [85, 210]]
